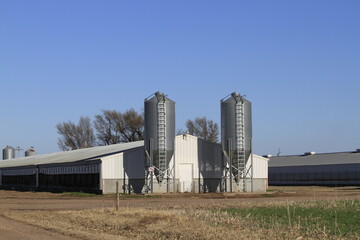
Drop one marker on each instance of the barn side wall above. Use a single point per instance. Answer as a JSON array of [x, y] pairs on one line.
[[322, 175], [76, 176], [126, 168]]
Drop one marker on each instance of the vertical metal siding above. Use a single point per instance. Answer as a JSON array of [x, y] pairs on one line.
[[335, 174], [134, 164], [260, 167], [112, 167], [186, 151], [206, 157], [129, 164], [210, 159]]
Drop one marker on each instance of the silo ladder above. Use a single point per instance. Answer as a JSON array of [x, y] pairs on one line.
[[240, 145], [161, 137]]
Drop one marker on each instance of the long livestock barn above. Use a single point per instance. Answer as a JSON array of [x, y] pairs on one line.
[[327, 169], [199, 167]]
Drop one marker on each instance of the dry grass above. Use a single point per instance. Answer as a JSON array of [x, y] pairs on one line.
[[193, 222], [146, 224], [192, 216]]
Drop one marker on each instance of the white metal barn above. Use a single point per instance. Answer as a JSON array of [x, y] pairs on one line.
[[199, 167]]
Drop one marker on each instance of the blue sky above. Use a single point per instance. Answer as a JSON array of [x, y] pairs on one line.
[[298, 62]]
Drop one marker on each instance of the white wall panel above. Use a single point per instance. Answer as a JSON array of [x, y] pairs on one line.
[[260, 169], [186, 151], [112, 167], [206, 157], [129, 164]]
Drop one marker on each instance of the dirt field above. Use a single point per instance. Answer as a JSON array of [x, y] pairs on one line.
[[13, 204]]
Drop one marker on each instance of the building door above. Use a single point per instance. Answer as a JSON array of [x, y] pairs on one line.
[[186, 177]]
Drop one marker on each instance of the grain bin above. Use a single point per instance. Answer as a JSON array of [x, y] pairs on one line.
[[236, 133], [159, 133], [30, 152], [8, 153]]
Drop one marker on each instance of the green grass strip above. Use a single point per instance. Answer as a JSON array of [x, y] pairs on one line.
[[335, 217]]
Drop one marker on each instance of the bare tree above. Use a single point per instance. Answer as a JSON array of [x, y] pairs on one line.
[[132, 126], [116, 127], [203, 128], [106, 127], [213, 131], [180, 131], [75, 136]]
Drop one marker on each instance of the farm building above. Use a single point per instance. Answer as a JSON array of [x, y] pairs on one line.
[[327, 169], [162, 162], [199, 167]]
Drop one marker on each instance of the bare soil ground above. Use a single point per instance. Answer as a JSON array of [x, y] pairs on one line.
[[18, 205], [15, 230]]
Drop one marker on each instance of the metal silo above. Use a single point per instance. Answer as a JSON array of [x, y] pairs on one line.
[[30, 152], [159, 134], [8, 153], [236, 135]]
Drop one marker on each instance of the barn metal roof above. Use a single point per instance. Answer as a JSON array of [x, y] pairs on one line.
[[71, 156], [315, 159]]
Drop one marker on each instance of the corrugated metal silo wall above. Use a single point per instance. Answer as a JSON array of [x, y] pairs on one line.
[[170, 128], [228, 125], [150, 123], [151, 126], [248, 128], [30, 152], [8, 153]]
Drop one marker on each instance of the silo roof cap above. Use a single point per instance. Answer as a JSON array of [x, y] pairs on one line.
[[159, 93], [235, 94], [155, 96], [234, 97]]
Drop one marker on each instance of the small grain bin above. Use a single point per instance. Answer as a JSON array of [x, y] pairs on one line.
[[30, 152], [8, 153]]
